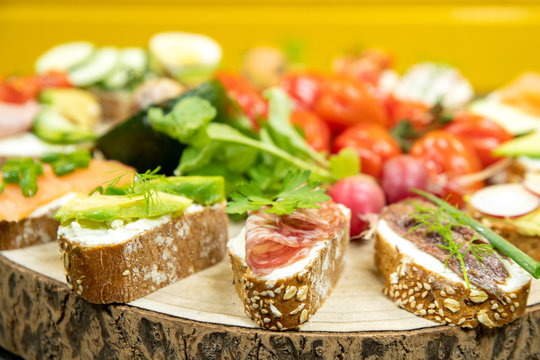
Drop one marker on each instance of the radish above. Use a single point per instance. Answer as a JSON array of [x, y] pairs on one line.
[[402, 173], [506, 200], [532, 183], [363, 196]]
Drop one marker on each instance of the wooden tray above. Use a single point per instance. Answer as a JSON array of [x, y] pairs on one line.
[[202, 317]]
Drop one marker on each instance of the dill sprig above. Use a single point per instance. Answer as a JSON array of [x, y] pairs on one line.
[[145, 184], [525, 261], [441, 222]]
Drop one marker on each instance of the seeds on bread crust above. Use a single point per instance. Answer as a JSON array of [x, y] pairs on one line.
[[464, 307]]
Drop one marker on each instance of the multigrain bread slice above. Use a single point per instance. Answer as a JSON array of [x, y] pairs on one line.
[[419, 283], [38, 228], [128, 267], [289, 296]]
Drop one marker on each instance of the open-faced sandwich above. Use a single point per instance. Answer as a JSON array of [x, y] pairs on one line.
[[125, 242], [441, 267], [513, 211], [34, 190], [286, 262]]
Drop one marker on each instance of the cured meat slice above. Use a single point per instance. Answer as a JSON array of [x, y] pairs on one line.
[[276, 241]]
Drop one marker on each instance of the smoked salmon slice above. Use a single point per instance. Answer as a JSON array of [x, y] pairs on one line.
[[15, 206]]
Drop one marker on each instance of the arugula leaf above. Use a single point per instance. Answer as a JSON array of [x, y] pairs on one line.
[[194, 158], [225, 133], [186, 121], [345, 163], [297, 192], [283, 132]]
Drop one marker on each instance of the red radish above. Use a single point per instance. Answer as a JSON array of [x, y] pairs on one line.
[[362, 195], [532, 183], [506, 200], [402, 173]]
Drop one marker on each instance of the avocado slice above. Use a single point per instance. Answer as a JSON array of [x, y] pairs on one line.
[[51, 126], [203, 190], [101, 208], [78, 106], [528, 145]]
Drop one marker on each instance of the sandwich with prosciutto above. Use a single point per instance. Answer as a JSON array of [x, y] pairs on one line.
[[286, 263], [442, 265]]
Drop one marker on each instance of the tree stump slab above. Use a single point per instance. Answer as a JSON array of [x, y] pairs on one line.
[[200, 317]]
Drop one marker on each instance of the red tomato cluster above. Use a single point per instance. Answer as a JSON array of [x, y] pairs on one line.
[[346, 110], [20, 89]]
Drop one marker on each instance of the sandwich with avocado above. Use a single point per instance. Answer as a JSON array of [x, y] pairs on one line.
[[123, 242]]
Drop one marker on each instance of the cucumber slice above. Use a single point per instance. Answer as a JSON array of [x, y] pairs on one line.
[[134, 59], [512, 119], [131, 65], [51, 126], [96, 68], [64, 56]]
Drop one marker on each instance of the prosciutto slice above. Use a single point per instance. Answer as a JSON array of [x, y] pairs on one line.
[[277, 241]]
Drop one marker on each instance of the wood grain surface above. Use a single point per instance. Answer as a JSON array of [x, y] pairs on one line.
[[201, 318]]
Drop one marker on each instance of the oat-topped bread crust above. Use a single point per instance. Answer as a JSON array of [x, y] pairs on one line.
[[287, 302], [442, 298], [149, 261]]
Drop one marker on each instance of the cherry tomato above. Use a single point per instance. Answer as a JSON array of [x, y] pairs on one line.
[[344, 102], [19, 89], [416, 113], [447, 157], [54, 79], [315, 129], [303, 88], [483, 134], [367, 67], [246, 96], [372, 142]]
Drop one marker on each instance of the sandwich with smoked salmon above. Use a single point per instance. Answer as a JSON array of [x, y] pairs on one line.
[[31, 192]]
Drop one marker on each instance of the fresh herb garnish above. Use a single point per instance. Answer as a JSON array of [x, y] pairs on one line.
[[525, 261], [224, 147], [63, 164], [297, 192], [23, 172], [144, 184], [438, 220]]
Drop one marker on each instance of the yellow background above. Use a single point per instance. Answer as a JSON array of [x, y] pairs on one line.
[[490, 41]]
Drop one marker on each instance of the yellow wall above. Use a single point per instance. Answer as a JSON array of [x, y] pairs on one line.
[[490, 43]]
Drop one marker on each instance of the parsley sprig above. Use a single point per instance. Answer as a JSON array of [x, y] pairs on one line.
[[438, 220], [296, 192]]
